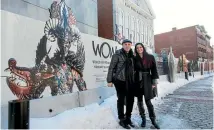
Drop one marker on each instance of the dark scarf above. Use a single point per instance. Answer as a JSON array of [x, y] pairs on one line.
[[129, 67]]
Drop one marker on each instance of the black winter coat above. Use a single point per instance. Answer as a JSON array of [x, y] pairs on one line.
[[117, 66], [145, 77]]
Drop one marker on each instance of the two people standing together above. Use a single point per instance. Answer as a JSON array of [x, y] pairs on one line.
[[133, 76]]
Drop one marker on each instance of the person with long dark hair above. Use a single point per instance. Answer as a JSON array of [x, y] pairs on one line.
[[121, 74], [146, 75]]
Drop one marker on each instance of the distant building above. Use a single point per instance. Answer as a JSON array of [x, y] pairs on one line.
[[194, 42], [131, 19]]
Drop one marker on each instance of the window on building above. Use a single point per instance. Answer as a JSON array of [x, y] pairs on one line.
[[126, 32], [120, 22], [137, 2], [127, 20], [127, 25], [137, 30], [140, 39], [132, 29], [146, 34], [135, 36], [150, 33], [142, 32], [121, 17], [132, 22], [132, 36], [117, 16]]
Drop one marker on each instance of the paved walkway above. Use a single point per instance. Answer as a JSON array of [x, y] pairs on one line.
[[189, 107]]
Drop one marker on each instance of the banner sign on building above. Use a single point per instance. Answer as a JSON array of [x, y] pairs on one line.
[[52, 55]]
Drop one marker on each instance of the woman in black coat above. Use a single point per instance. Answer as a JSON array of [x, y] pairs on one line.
[[146, 75]]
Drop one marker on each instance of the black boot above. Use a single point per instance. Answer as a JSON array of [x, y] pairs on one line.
[[121, 116], [152, 113], [129, 122], [143, 124], [154, 123], [120, 110], [123, 123], [142, 113]]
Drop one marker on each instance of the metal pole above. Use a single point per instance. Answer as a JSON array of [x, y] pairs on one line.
[[18, 114]]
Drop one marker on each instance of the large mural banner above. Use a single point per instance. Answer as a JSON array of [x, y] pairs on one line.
[[64, 59]]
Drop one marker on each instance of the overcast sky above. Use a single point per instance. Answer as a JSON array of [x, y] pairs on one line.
[[183, 13]]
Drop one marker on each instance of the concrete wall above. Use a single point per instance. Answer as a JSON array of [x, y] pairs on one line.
[[40, 108], [51, 106]]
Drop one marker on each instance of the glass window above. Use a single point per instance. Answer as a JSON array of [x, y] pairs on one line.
[[142, 32], [119, 21], [137, 2], [120, 29], [140, 39], [131, 36], [117, 17], [120, 17], [137, 37], [137, 30], [148, 31], [138, 25], [132, 23], [132, 29], [146, 34], [127, 33], [127, 20]]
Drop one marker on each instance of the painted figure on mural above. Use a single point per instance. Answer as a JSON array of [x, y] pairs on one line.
[[60, 59]]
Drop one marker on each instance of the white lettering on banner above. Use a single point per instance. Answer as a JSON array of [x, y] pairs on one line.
[[98, 53]]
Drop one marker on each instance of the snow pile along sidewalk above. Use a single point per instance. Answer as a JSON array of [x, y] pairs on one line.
[[103, 116], [92, 116]]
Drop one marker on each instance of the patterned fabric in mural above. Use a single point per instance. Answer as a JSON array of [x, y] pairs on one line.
[[59, 71]]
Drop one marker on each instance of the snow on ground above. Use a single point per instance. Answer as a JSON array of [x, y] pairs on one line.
[[104, 116], [92, 116]]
